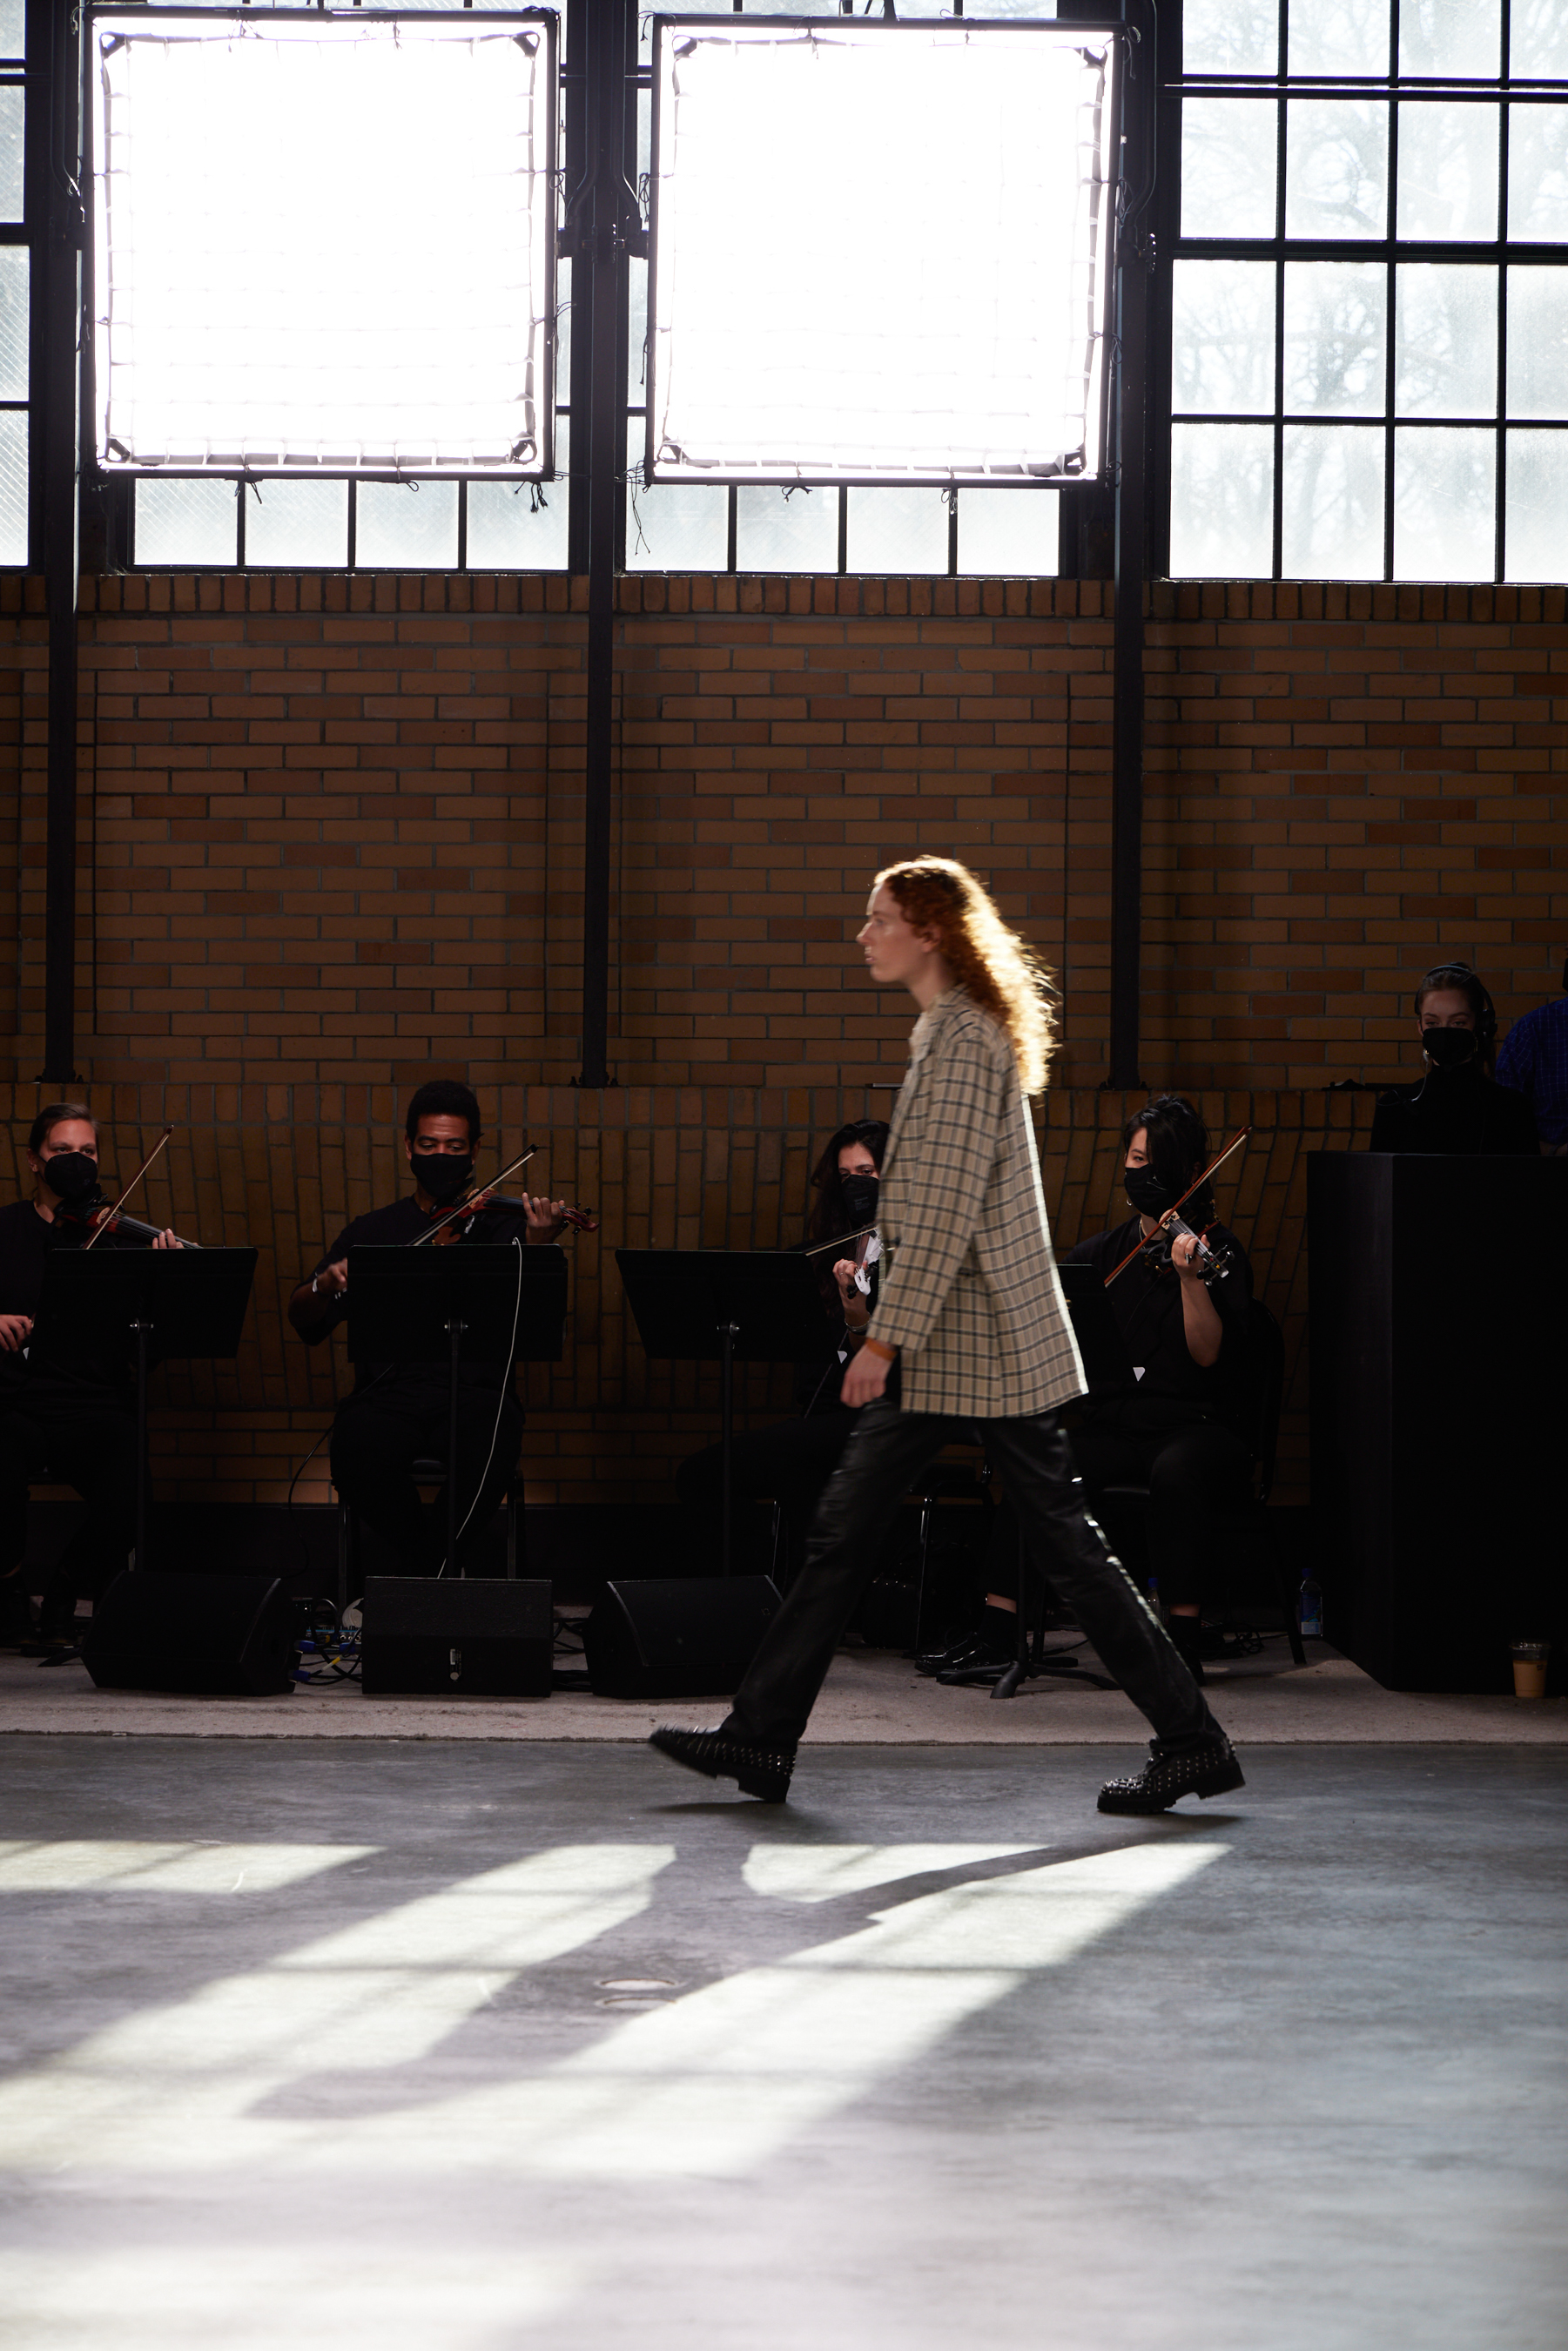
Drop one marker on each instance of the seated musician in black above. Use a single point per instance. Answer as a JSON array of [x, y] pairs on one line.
[[792, 1461], [398, 1413], [68, 1411], [1456, 1107], [1181, 1429]]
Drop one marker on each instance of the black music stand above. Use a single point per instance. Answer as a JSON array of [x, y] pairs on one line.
[[146, 1306], [420, 1306], [724, 1306]]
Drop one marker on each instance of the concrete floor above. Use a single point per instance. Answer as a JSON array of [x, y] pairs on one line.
[[325, 2042]]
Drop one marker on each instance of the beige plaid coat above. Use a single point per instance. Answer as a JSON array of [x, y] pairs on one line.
[[969, 1292]]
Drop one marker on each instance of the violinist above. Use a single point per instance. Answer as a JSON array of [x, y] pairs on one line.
[[1183, 1428], [397, 1413], [793, 1461], [72, 1413]]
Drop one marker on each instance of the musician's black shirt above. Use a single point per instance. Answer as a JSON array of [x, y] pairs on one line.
[[1172, 1390], [26, 1239], [395, 1228], [1455, 1112]]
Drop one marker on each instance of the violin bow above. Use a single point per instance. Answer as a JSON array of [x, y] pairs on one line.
[[467, 1208], [838, 1241], [108, 1221], [1234, 1145]]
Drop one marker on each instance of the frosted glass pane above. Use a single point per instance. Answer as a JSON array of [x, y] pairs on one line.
[[1336, 168], [13, 28], [1448, 171], [1444, 339], [1339, 36], [1227, 167], [1009, 534], [673, 525], [563, 330], [777, 533], [897, 530], [1458, 40], [12, 104], [1230, 36], [1445, 525], [1222, 349], [1335, 331], [1538, 342], [1538, 173], [192, 525], [399, 528], [1222, 496], [637, 335], [517, 526], [296, 523], [13, 322], [12, 487], [1332, 503], [1537, 39], [1537, 540]]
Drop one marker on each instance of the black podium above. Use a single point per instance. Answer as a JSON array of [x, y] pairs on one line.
[[489, 1301], [143, 1307], [726, 1307], [1438, 1294]]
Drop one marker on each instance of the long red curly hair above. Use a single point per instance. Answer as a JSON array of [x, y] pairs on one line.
[[991, 963]]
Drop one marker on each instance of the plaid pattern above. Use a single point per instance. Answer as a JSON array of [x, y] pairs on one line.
[[1534, 1062], [969, 1292]]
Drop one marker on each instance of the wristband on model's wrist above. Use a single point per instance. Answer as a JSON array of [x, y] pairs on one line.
[[879, 1347]]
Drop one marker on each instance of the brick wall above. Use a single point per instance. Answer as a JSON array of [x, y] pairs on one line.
[[331, 841]]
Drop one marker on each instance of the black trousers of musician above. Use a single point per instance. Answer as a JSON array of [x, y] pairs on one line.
[[90, 1445], [790, 1463], [887, 1451], [1193, 1473], [378, 1438]]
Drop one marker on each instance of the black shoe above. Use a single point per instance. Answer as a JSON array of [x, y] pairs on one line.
[[961, 1653], [1207, 1768], [761, 1772]]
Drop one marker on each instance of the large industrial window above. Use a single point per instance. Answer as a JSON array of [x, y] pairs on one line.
[[692, 526], [1368, 325]]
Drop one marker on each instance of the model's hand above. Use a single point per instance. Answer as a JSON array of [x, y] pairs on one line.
[[16, 1330], [545, 1219], [866, 1378]]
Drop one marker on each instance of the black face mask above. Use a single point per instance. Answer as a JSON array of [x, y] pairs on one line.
[[859, 1194], [1450, 1048], [444, 1173], [71, 1175], [1148, 1193]]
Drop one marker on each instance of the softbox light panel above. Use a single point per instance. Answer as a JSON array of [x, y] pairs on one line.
[[881, 252], [323, 244]]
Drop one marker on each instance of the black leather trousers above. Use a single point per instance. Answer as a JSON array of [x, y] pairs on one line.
[[887, 1451]]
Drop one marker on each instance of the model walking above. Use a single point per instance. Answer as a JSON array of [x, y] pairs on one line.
[[971, 1337]]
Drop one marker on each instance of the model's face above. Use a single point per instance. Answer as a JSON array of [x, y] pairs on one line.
[[437, 1136], [896, 954], [70, 1134], [1447, 1007], [854, 1159]]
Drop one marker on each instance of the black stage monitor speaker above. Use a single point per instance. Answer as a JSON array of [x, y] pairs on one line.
[[677, 1636], [204, 1635], [457, 1638]]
